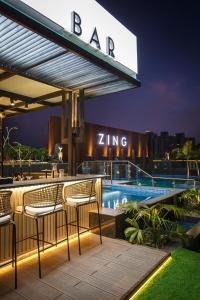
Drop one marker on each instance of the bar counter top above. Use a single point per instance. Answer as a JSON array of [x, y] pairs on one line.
[[34, 182]]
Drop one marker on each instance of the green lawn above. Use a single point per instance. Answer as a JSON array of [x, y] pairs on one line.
[[180, 280]]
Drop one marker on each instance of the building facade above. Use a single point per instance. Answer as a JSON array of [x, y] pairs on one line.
[[101, 142]]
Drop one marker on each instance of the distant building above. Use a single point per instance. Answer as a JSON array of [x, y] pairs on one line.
[[159, 145], [180, 139]]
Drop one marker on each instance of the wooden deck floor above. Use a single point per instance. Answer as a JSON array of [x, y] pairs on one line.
[[105, 271]]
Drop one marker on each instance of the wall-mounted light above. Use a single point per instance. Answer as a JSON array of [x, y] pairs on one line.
[[2, 114]]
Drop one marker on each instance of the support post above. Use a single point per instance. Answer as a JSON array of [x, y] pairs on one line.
[[1, 145], [71, 140], [72, 126]]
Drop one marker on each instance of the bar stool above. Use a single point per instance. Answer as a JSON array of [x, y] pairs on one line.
[[6, 219], [78, 195], [39, 203]]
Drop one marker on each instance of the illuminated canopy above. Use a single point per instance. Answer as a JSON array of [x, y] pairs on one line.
[[39, 59]]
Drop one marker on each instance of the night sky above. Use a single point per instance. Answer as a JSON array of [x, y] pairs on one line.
[[168, 35]]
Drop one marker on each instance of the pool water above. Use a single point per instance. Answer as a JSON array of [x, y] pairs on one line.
[[166, 183], [114, 195]]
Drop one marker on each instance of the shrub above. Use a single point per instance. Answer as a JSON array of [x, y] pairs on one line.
[[151, 225], [190, 200]]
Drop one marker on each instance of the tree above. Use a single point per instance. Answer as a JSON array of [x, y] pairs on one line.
[[18, 151], [9, 150], [184, 153]]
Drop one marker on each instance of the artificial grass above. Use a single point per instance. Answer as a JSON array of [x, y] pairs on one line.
[[180, 280]]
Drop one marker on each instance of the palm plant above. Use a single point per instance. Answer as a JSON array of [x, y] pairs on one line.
[[151, 224], [184, 152], [134, 233]]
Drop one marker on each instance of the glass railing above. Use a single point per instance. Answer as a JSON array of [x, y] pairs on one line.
[[32, 168], [114, 170], [126, 172], [174, 168]]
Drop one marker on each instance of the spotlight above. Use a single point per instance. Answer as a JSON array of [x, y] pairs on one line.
[[12, 102]]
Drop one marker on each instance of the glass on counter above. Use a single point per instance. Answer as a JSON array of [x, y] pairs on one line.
[[61, 173]]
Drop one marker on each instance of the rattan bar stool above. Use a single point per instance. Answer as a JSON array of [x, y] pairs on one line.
[[39, 203], [6, 219], [78, 195]]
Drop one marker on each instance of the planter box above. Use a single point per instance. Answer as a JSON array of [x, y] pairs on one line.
[[112, 222]]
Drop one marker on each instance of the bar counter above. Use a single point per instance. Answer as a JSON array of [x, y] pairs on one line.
[[26, 226]]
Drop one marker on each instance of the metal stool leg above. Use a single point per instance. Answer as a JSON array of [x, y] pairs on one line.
[[56, 234], [99, 219], [38, 246], [77, 219], [67, 232], [14, 246], [13, 250], [43, 233]]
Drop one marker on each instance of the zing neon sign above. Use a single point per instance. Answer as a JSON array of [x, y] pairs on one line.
[[111, 140]]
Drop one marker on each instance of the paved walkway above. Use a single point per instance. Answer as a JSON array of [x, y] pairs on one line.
[[107, 271]]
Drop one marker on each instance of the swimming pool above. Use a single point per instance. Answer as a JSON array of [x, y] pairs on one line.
[[120, 194]]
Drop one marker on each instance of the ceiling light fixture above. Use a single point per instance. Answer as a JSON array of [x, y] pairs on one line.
[[12, 102]]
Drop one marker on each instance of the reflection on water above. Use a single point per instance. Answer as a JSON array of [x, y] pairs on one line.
[[112, 199], [121, 194]]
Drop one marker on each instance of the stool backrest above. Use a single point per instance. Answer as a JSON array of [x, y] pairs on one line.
[[84, 189], [5, 207], [44, 196]]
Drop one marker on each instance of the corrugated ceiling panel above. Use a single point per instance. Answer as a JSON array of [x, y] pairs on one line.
[[48, 67], [108, 88], [22, 47]]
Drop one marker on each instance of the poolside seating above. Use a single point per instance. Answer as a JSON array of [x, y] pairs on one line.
[[6, 219], [40, 203], [76, 196]]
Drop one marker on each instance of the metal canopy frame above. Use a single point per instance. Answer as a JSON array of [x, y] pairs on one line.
[[35, 47]]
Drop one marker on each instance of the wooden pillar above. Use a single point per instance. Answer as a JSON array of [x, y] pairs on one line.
[[67, 120], [81, 116], [72, 126], [71, 135], [1, 144]]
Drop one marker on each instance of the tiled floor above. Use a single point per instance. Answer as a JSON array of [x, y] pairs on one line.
[[105, 271]]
